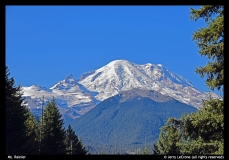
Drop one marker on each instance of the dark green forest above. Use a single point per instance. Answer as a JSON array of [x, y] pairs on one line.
[[199, 133], [126, 125], [27, 136]]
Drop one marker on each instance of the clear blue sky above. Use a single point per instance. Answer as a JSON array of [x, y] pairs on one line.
[[44, 44]]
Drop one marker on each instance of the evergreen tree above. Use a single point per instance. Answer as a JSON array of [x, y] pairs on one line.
[[32, 134], [53, 133], [195, 133], [168, 139], [210, 41], [74, 146], [16, 115], [202, 132]]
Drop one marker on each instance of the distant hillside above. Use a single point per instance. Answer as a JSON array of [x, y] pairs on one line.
[[127, 120]]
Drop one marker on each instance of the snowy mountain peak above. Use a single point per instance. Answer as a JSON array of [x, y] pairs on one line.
[[121, 75], [127, 75], [66, 84], [117, 63], [72, 98], [70, 76], [70, 79], [114, 78]]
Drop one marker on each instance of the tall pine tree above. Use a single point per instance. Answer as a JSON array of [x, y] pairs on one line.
[[168, 139], [202, 132], [15, 116], [73, 145], [32, 134], [210, 41], [53, 133]]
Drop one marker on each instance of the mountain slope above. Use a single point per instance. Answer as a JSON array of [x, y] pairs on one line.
[[130, 117], [71, 97], [122, 75], [76, 97]]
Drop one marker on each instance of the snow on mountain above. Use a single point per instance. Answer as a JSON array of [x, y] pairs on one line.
[[69, 95], [68, 83], [76, 97], [122, 75]]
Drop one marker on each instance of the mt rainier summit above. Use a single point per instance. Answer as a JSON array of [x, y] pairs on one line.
[[76, 97]]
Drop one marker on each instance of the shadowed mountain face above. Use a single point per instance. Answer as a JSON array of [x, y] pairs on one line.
[[127, 119], [153, 95]]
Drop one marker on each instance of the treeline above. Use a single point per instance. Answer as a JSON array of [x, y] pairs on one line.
[[25, 136]]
